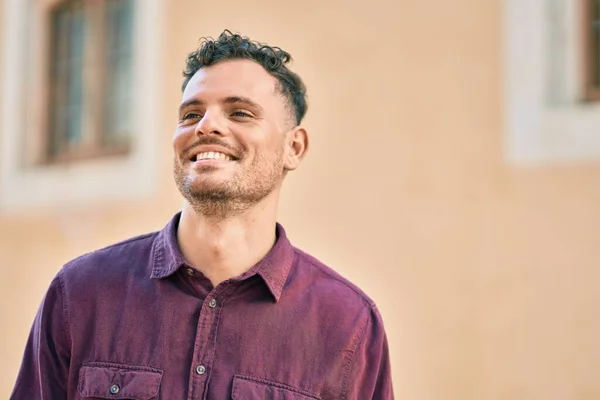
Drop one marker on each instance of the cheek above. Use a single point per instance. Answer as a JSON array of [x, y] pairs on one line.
[[181, 137], [277, 146], [265, 151]]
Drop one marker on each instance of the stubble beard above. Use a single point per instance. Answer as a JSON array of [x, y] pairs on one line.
[[226, 199]]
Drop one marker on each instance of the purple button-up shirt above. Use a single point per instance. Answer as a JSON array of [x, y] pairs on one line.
[[136, 321]]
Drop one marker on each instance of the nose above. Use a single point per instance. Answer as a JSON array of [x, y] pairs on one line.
[[210, 124]]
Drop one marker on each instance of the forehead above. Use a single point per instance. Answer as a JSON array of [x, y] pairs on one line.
[[233, 78]]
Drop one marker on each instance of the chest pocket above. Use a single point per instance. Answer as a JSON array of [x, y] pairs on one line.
[[247, 388], [118, 381]]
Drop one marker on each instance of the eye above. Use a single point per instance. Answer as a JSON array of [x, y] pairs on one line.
[[241, 114], [191, 115]]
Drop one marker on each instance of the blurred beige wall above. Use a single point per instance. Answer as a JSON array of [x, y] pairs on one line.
[[485, 274]]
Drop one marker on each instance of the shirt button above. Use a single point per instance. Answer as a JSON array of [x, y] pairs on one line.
[[200, 369], [189, 271], [114, 389], [212, 303]]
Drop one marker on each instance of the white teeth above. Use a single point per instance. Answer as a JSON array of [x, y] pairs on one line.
[[212, 155]]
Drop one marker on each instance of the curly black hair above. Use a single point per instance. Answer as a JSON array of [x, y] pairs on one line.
[[232, 46]]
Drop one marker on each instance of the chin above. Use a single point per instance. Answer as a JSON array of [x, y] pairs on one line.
[[205, 183], [202, 187]]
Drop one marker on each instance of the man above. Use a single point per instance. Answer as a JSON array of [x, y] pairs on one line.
[[218, 304]]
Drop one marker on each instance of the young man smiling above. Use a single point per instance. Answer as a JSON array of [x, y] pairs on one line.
[[218, 304]]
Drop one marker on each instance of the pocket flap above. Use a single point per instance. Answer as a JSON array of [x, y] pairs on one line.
[[116, 381], [248, 388]]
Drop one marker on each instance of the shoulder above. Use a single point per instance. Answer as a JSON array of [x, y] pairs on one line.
[[124, 256], [342, 310], [330, 286]]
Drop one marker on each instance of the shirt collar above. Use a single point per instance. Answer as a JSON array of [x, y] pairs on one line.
[[274, 268]]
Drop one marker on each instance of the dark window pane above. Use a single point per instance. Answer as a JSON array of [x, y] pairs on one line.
[[68, 31], [119, 40], [75, 78], [595, 48]]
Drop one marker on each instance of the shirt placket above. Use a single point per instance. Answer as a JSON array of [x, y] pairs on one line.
[[205, 342]]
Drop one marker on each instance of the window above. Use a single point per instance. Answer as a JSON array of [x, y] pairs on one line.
[[591, 51], [90, 76], [118, 49], [549, 115]]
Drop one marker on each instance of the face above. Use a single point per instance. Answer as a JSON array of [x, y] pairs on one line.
[[235, 138]]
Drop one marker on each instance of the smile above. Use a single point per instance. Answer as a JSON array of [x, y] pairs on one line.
[[212, 155]]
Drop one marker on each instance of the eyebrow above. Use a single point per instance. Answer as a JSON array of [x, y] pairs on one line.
[[226, 100]]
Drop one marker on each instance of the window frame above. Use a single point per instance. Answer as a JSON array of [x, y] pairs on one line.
[[94, 91]]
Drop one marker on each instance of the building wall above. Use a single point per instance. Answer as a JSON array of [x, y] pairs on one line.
[[485, 273]]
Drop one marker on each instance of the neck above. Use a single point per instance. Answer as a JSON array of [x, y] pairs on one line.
[[224, 247]]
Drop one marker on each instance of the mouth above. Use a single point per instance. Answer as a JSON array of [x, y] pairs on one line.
[[211, 157]]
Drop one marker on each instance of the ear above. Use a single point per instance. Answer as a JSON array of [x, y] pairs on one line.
[[296, 146]]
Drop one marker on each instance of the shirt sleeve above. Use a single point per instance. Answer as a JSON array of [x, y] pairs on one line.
[[370, 375], [45, 366]]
